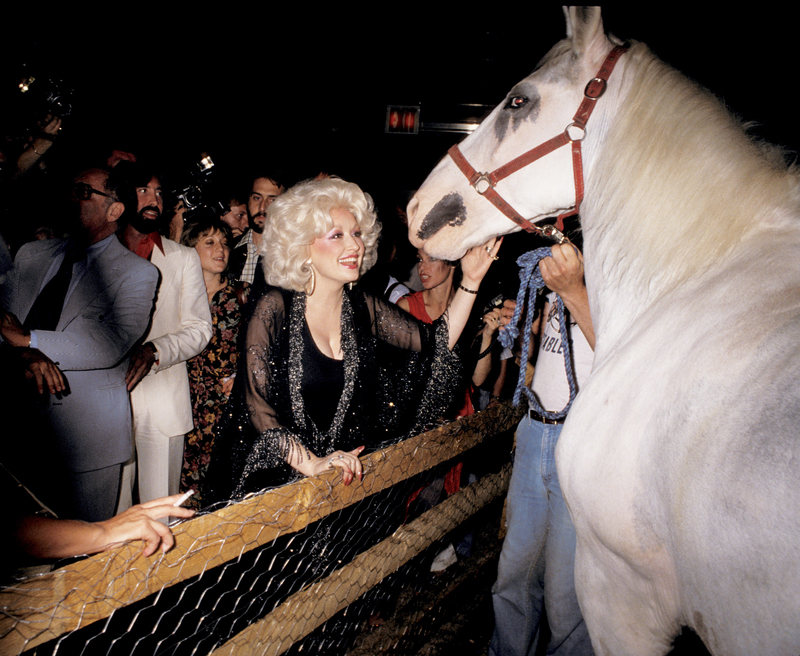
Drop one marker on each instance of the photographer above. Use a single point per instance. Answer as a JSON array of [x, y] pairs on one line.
[[199, 192], [36, 146]]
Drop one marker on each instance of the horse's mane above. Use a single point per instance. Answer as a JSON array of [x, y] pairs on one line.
[[677, 180]]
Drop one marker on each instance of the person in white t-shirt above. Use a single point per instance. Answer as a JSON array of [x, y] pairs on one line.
[[536, 568]]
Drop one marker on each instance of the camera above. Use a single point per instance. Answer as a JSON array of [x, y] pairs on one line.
[[495, 303], [198, 190], [31, 103], [43, 97]]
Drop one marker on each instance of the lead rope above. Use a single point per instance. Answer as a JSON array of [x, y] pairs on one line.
[[530, 284]]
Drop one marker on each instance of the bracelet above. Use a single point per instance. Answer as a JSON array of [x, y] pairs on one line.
[[469, 291], [487, 351]]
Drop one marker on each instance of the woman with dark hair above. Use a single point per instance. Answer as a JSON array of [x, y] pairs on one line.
[[314, 388], [211, 373], [440, 279]]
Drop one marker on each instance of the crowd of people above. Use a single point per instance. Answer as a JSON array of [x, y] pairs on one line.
[[122, 337], [157, 349]]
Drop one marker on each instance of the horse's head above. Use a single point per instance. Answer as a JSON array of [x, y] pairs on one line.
[[448, 215]]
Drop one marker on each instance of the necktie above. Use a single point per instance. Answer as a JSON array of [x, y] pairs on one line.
[[46, 309]]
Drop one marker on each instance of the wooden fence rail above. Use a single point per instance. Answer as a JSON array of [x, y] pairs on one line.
[[46, 607]]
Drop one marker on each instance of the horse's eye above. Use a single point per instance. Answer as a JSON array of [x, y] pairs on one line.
[[516, 102]]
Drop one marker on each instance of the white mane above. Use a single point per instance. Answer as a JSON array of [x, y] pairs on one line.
[[677, 180]]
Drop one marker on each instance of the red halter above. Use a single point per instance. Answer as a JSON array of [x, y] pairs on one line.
[[484, 183]]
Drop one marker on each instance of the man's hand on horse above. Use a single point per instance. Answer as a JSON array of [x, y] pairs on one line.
[[562, 272]]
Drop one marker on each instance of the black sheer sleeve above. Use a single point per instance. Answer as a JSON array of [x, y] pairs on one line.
[[433, 377], [260, 348], [255, 433]]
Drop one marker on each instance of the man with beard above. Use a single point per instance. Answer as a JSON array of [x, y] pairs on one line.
[[83, 302], [181, 328], [244, 257]]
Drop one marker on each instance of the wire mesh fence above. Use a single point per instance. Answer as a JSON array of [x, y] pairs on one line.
[[297, 569]]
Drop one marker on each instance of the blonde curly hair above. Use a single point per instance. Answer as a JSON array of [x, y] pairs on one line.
[[302, 214]]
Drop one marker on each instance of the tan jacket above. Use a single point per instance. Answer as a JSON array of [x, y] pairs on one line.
[[181, 329]]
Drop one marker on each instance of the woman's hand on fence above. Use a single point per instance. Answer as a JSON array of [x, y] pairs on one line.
[[347, 461]]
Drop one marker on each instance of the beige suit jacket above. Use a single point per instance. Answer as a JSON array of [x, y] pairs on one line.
[[181, 329]]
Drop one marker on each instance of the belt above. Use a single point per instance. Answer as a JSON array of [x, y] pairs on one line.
[[535, 416]]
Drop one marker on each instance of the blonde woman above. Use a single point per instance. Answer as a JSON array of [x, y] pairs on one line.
[[310, 394]]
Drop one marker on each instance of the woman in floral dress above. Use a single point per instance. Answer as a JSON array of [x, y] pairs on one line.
[[211, 372]]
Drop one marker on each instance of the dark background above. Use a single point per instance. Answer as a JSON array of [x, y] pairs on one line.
[[263, 87]]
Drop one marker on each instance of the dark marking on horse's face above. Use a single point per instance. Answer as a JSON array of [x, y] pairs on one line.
[[521, 104], [449, 211]]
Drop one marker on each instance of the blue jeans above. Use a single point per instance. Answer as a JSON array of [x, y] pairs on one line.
[[537, 562]]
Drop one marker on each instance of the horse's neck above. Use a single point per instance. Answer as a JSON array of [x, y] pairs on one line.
[[615, 301], [625, 288]]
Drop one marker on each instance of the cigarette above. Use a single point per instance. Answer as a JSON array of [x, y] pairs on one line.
[[183, 498]]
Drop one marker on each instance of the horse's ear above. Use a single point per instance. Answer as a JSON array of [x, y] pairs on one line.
[[584, 24]]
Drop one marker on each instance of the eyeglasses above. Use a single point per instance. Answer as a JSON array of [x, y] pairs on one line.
[[83, 191]]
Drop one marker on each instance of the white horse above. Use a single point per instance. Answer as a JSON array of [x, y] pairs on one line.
[[680, 459]]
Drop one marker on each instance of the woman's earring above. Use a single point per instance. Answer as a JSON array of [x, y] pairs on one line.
[[312, 284]]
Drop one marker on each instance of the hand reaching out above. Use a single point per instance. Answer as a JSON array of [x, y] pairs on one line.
[[45, 537], [140, 522], [477, 260]]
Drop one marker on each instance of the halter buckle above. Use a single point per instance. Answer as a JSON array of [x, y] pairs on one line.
[[595, 88], [551, 232], [483, 178]]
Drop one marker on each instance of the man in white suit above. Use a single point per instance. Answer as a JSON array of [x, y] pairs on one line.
[[181, 328], [75, 343]]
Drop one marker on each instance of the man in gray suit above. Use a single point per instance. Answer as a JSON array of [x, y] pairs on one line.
[[73, 309]]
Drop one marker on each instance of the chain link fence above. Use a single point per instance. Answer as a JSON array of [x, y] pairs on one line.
[[297, 569]]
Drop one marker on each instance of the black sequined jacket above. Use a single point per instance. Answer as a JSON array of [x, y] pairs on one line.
[[399, 377]]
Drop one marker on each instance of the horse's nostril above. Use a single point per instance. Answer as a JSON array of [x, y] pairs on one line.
[[411, 210]]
